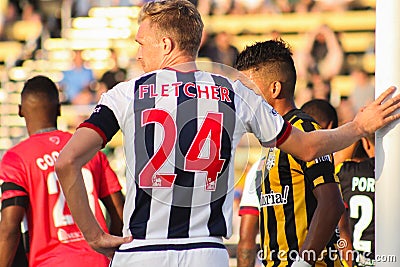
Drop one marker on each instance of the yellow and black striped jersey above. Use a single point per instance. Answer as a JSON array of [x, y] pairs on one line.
[[287, 202]]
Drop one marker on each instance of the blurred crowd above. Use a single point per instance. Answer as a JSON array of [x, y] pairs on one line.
[[49, 12], [220, 7], [317, 63]]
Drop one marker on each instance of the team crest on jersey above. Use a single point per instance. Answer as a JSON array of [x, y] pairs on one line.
[[273, 199], [54, 139], [323, 158], [270, 159], [156, 182], [97, 109], [211, 185]]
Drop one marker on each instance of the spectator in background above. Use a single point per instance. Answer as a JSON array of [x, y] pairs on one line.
[[250, 6], [223, 51], [303, 6], [361, 95], [283, 6], [77, 79], [206, 45], [363, 92], [80, 8], [321, 60], [113, 76], [9, 17], [221, 7], [30, 13], [31, 187], [331, 5]]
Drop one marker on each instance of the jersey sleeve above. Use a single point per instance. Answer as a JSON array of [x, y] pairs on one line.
[[249, 203], [260, 118], [14, 188], [320, 170], [341, 170]]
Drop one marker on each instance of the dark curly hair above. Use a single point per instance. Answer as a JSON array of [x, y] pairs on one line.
[[273, 58]]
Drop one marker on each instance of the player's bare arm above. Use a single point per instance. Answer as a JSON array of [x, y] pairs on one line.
[[323, 223], [345, 233], [83, 145], [247, 248], [10, 232], [114, 204], [308, 146]]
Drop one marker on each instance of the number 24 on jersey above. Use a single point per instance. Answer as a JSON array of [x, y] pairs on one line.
[[210, 130]]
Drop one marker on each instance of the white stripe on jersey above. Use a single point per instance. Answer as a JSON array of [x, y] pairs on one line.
[[249, 195], [201, 198], [157, 227]]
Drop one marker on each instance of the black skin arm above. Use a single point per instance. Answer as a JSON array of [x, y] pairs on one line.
[[114, 204], [10, 233], [329, 209], [247, 248]]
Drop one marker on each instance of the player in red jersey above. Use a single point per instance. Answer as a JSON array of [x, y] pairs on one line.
[[31, 187]]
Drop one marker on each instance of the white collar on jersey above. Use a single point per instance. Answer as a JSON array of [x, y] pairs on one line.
[[45, 130]]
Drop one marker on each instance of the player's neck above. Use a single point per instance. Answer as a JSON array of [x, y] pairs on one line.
[[181, 63], [284, 106], [45, 130], [41, 129]]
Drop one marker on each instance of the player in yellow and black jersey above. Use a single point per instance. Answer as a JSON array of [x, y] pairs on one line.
[[285, 223], [299, 202]]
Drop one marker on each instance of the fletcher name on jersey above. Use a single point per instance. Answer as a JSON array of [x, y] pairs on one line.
[[189, 89]]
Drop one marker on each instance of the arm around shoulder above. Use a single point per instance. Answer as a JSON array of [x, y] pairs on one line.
[[310, 145]]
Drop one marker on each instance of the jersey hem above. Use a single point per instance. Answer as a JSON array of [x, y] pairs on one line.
[[170, 241], [249, 210]]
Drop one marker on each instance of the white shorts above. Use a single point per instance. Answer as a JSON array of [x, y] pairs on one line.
[[173, 255]]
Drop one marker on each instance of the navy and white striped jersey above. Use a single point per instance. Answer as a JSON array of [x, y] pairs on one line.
[[180, 133]]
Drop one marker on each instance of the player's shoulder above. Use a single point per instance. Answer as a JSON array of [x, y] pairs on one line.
[[301, 120], [32, 143], [348, 167]]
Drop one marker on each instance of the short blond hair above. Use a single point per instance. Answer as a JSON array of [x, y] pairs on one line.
[[178, 20]]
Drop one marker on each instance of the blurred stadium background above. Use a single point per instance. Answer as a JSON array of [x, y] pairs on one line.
[[40, 37]]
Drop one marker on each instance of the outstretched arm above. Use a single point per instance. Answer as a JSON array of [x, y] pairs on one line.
[[83, 145], [310, 145]]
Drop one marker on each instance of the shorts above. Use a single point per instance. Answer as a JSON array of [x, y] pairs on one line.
[[173, 255]]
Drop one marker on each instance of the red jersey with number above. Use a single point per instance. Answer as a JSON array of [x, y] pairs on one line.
[[28, 171], [180, 134]]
